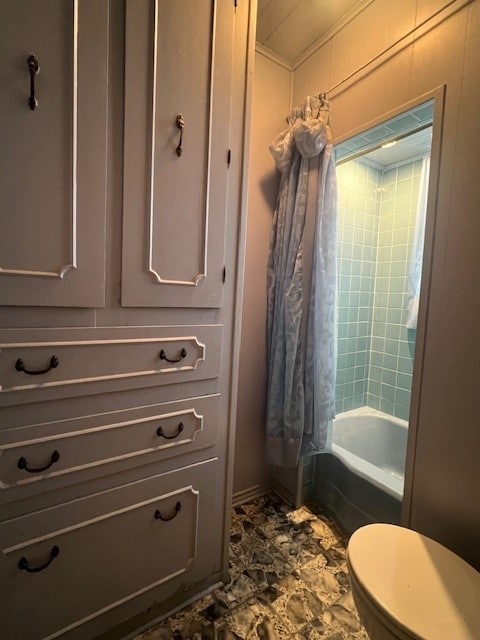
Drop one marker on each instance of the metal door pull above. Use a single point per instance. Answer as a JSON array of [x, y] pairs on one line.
[[158, 513], [33, 68], [180, 122], [163, 356], [23, 562], [20, 366]]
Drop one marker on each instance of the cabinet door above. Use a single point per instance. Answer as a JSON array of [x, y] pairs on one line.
[[52, 158], [177, 74]]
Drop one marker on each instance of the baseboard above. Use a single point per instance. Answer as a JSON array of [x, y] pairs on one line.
[[283, 493], [257, 491]]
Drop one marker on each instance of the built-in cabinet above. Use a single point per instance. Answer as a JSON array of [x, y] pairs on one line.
[[176, 152], [114, 437], [53, 156]]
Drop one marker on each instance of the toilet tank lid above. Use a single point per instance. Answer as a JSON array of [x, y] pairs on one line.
[[415, 581]]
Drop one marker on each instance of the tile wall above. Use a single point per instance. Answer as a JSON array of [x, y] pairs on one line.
[[357, 238], [375, 350]]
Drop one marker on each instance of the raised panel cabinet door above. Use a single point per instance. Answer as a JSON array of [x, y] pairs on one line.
[[53, 83], [177, 104]]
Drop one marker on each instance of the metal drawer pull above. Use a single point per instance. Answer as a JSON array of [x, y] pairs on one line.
[[22, 463], [180, 122], [158, 514], [20, 366], [175, 435], [33, 68], [23, 562], [183, 354]]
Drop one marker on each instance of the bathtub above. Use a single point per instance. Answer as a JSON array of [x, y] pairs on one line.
[[360, 480]]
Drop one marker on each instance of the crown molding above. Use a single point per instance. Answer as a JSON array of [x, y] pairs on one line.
[[274, 57]]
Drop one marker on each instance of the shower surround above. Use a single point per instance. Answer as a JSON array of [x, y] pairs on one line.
[[376, 219]]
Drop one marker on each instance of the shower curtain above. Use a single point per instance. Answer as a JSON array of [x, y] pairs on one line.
[[416, 260], [300, 324]]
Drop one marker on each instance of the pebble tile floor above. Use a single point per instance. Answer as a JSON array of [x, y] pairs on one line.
[[288, 579]]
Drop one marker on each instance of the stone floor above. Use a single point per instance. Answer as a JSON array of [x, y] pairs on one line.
[[288, 579]]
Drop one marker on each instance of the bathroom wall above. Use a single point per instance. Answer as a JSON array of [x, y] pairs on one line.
[[392, 344], [358, 202], [271, 103], [444, 439], [376, 220]]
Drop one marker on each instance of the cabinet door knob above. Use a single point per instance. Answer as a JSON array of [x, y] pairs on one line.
[[175, 435], [23, 562], [180, 123], [33, 68], [163, 356], [158, 513], [20, 366], [23, 464]]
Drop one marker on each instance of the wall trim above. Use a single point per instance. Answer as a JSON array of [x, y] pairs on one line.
[[257, 491]]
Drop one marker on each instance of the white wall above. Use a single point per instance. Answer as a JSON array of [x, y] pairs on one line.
[[271, 100], [443, 460]]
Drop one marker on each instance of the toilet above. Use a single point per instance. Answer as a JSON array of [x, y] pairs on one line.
[[409, 587]]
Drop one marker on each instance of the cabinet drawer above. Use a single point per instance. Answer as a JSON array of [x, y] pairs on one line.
[[42, 454], [45, 362], [66, 565]]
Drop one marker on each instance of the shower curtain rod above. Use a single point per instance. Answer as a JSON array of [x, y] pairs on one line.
[[324, 94]]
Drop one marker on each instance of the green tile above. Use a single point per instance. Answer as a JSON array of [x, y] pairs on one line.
[[374, 387], [397, 268], [405, 365], [358, 388], [390, 362], [360, 358], [392, 331], [388, 392], [352, 314], [362, 344], [389, 378], [404, 381], [363, 314], [397, 284], [381, 299], [402, 411], [365, 299], [386, 406], [350, 361], [405, 350], [402, 396], [391, 346], [348, 390]]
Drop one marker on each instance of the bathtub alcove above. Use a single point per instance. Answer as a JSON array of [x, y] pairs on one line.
[[382, 177]]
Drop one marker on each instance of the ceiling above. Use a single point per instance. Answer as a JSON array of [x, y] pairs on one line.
[[413, 146], [289, 27], [399, 128]]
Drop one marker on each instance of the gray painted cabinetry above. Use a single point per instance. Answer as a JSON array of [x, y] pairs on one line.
[[116, 323]]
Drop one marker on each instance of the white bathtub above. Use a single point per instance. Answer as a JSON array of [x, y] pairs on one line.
[[373, 445], [360, 479]]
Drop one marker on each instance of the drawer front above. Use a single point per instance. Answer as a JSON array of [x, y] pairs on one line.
[[36, 364], [44, 453], [64, 566]]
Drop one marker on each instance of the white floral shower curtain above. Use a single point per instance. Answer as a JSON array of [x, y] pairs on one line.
[[301, 365]]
